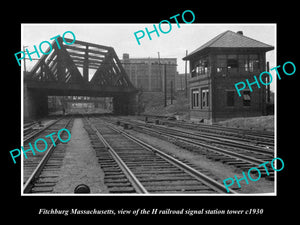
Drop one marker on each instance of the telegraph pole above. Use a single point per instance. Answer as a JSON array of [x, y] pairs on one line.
[[186, 90], [268, 87], [171, 91], [159, 70], [165, 81]]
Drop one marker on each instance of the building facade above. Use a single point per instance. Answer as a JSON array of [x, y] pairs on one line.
[[57, 103], [181, 80], [216, 67], [148, 74]]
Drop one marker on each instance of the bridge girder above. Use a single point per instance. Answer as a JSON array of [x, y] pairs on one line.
[[80, 69], [61, 69]]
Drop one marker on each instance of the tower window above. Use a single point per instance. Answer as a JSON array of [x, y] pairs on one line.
[[195, 98], [232, 62]]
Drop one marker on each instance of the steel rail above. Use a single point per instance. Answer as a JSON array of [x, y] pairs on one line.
[[246, 133], [41, 130], [36, 173], [204, 137], [128, 173], [212, 148], [218, 140], [261, 134], [230, 139], [200, 137], [196, 174]]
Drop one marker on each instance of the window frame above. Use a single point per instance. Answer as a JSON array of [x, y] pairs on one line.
[[195, 100], [200, 67], [245, 62], [246, 102], [205, 98]]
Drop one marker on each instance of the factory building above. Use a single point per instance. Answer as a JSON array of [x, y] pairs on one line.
[[147, 74]]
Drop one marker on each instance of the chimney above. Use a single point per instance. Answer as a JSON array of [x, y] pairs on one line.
[[125, 56], [240, 32]]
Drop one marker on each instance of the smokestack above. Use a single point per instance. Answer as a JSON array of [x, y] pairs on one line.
[[125, 56], [240, 32]]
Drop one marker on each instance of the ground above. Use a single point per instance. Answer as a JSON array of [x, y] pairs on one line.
[[80, 164], [255, 123]]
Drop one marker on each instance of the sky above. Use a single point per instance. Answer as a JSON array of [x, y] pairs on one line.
[[170, 45]]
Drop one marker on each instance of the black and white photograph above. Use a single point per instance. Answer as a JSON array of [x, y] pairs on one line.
[[176, 112]]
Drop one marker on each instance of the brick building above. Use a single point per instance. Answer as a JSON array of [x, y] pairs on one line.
[[215, 67], [148, 75]]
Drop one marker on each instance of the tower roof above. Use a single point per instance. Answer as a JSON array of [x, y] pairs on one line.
[[230, 39]]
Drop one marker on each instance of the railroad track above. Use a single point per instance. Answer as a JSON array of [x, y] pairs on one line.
[[29, 128], [231, 153], [40, 171], [133, 166], [264, 138], [31, 131], [204, 137]]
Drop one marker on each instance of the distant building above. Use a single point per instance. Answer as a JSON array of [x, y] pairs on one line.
[[215, 67], [68, 102], [180, 81], [147, 74]]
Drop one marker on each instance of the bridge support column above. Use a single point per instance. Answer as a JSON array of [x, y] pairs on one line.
[[125, 105], [35, 104], [133, 104]]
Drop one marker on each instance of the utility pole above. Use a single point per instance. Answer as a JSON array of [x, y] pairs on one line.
[[165, 81], [268, 87], [159, 71], [171, 91], [186, 89]]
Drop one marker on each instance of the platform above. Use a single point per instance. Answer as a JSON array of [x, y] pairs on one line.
[[80, 164]]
